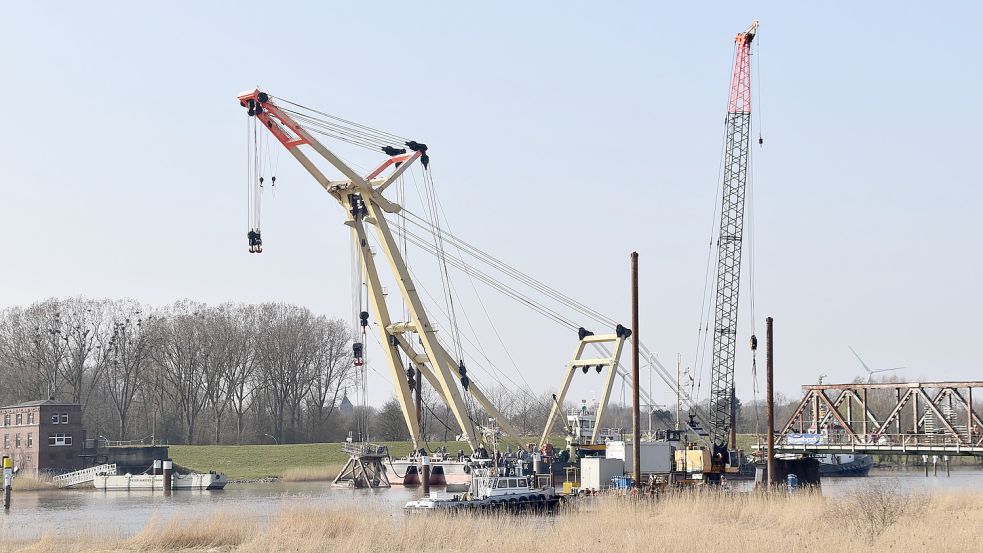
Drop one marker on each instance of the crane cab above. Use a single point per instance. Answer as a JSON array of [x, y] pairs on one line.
[[695, 464]]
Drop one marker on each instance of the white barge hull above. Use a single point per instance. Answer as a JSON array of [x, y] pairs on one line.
[[441, 472], [151, 482]]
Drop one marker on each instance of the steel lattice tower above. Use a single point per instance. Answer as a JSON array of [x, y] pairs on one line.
[[736, 157]]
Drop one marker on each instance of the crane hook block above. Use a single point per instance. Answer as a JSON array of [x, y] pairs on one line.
[[583, 333], [357, 353], [364, 318], [754, 342], [255, 241], [622, 332]]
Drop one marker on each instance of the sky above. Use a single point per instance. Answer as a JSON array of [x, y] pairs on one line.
[[564, 135]]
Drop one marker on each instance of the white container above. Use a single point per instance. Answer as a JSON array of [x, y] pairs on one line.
[[596, 472], [656, 457]]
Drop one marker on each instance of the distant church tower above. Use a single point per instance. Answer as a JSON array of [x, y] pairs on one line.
[[346, 407]]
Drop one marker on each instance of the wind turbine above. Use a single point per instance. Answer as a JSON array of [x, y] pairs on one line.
[[870, 371]]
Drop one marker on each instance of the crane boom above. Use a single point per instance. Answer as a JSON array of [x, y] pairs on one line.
[[736, 158], [364, 205]]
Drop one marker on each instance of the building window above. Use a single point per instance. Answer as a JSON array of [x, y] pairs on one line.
[[6, 441], [30, 418], [59, 439], [19, 419], [64, 418], [6, 420], [30, 440], [54, 418], [17, 440]]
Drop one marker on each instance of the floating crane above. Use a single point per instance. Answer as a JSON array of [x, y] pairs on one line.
[[361, 197]]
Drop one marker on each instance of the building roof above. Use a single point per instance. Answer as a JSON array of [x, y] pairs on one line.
[[37, 403]]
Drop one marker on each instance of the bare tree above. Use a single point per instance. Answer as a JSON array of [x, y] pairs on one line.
[[183, 353], [83, 326], [284, 360], [388, 423], [331, 370], [238, 334], [24, 375], [126, 355]]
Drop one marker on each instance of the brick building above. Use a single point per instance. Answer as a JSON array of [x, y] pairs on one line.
[[43, 436]]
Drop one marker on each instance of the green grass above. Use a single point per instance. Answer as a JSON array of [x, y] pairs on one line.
[[261, 461]]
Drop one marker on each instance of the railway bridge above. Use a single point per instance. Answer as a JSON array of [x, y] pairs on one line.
[[895, 418]]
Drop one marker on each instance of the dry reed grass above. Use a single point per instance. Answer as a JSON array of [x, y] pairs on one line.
[[311, 474], [220, 529], [30, 483], [682, 522]]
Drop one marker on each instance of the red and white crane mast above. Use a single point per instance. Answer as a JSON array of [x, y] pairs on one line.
[[737, 153]]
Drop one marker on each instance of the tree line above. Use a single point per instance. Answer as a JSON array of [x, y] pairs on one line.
[[194, 373], [230, 373], [187, 372]]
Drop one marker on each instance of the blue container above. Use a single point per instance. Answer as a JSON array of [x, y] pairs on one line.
[[622, 482], [793, 481]]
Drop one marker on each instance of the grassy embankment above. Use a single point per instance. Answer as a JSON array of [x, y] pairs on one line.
[[308, 462], [296, 462], [870, 520]]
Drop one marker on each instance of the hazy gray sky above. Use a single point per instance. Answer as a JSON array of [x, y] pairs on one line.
[[563, 136]]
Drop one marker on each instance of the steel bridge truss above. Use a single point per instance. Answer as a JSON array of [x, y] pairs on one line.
[[914, 418]]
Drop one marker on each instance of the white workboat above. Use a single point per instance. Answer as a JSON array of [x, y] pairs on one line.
[[155, 482], [489, 491]]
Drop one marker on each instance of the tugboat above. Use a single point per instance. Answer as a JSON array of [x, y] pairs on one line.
[[490, 491], [845, 464]]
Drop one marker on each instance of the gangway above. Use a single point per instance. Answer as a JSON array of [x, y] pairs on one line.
[[82, 476]]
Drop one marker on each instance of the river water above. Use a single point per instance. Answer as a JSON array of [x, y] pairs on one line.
[[71, 512]]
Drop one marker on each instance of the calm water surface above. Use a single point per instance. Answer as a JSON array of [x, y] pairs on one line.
[[34, 514]]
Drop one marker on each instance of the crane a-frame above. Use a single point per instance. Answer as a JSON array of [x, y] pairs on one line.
[[361, 196]]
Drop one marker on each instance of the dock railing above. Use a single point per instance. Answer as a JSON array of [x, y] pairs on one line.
[[145, 442], [83, 476], [365, 449]]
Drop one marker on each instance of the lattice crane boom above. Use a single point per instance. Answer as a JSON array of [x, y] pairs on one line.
[[737, 153]]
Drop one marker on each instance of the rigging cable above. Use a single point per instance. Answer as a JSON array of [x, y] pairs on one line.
[[706, 308], [548, 312]]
